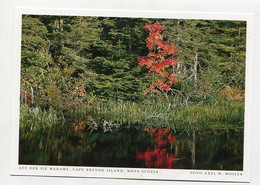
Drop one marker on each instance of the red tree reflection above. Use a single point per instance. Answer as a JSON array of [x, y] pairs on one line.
[[158, 157]]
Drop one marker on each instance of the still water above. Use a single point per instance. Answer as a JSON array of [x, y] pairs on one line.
[[148, 148]]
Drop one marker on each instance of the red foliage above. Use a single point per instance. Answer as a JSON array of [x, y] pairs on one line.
[[24, 94], [28, 98], [158, 157], [160, 57], [79, 126]]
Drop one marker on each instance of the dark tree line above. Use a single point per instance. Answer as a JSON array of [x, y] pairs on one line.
[[68, 60]]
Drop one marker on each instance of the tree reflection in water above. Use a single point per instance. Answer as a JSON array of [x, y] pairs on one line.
[[131, 147], [158, 157]]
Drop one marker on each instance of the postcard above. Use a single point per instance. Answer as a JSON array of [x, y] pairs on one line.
[[132, 94]]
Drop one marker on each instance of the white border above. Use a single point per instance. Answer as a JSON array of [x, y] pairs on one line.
[[163, 174]]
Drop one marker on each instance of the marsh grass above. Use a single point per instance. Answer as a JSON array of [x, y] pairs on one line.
[[36, 118], [228, 115], [147, 114]]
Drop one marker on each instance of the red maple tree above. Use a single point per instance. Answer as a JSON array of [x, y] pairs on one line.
[[160, 59]]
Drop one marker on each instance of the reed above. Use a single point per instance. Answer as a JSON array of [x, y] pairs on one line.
[[229, 115], [146, 114], [37, 118]]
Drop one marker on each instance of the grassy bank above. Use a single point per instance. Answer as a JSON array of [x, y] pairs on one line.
[[112, 114], [36, 118], [229, 115]]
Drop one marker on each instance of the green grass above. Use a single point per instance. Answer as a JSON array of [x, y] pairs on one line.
[[36, 118], [229, 115], [151, 114]]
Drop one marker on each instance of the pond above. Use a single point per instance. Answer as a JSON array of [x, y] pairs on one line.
[[145, 148]]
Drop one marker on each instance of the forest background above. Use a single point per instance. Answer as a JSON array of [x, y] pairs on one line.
[[84, 70]]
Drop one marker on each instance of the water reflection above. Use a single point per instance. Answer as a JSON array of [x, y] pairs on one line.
[[155, 148], [159, 157]]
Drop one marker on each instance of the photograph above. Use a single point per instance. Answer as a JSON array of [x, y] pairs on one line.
[[132, 96]]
